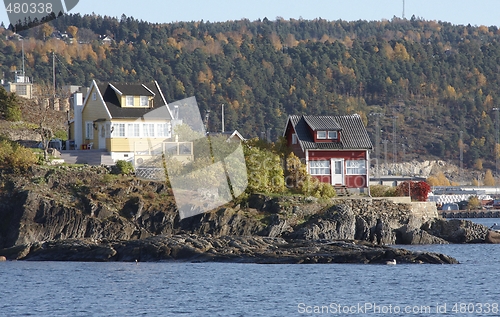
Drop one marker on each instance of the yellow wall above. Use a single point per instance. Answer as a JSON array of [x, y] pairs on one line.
[[93, 110], [133, 144]]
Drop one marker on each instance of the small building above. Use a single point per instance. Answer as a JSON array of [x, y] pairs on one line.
[[21, 86], [335, 149]]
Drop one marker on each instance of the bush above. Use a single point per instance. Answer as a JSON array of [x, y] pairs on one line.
[[124, 167], [382, 191], [419, 190], [16, 157]]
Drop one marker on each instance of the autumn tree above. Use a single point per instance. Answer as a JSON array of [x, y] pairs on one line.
[[488, 179]]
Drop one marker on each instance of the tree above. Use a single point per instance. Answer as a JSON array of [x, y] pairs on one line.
[[72, 30], [9, 106], [473, 203], [488, 179]]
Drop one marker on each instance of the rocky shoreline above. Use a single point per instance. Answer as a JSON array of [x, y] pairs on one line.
[[192, 248], [86, 214]]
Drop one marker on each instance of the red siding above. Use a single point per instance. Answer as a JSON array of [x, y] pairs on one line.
[[296, 149], [350, 181], [355, 181]]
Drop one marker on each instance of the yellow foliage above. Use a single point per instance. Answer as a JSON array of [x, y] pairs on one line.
[[488, 179], [400, 52]]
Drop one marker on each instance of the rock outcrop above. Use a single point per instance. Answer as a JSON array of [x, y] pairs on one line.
[[224, 249]]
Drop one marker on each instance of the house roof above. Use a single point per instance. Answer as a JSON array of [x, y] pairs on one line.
[[149, 89], [322, 123], [352, 137]]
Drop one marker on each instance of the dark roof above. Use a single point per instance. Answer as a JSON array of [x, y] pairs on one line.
[[353, 135], [117, 112], [322, 123]]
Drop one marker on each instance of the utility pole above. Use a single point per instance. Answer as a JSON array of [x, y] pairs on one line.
[[496, 141], [54, 72], [377, 116], [394, 139], [403, 9], [461, 156], [222, 118], [385, 152]]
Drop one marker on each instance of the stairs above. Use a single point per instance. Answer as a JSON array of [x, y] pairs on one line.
[[90, 157], [342, 190]]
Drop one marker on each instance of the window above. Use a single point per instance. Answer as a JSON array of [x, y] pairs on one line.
[[144, 101], [119, 129], [357, 167], [294, 139], [21, 90], [89, 130], [321, 134], [130, 101], [133, 130], [163, 130], [148, 129], [94, 96], [319, 167], [332, 134]]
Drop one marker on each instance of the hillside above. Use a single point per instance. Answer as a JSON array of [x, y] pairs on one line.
[[429, 80]]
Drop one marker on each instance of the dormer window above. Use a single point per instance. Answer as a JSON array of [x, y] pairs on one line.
[[321, 135], [130, 101], [144, 101], [332, 135]]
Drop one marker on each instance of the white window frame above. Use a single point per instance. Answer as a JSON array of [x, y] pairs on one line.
[[355, 167], [320, 167], [144, 101], [148, 130], [128, 100], [163, 130], [118, 130], [94, 96], [89, 130], [321, 137], [333, 136], [133, 130], [295, 139]]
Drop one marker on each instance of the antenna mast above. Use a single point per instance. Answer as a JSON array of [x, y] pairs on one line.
[[403, 9]]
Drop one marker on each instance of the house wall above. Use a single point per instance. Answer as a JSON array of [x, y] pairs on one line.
[[93, 110], [296, 149], [351, 181]]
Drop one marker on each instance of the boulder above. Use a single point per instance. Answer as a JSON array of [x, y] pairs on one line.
[[456, 230], [407, 235]]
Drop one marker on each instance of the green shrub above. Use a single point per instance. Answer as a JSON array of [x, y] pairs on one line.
[[124, 167], [16, 157]]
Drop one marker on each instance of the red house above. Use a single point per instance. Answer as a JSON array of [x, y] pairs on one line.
[[334, 148]]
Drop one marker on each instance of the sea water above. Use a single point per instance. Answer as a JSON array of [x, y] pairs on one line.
[[228, 289]]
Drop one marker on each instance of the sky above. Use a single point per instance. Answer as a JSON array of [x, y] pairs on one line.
[[477, 12]]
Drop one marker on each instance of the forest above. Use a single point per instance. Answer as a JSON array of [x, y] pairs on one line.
[[430, 88]]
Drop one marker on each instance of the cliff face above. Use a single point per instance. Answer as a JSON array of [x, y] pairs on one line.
[[89, 203]]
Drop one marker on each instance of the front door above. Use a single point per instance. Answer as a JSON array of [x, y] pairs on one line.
[[337, 172], [102, 136]]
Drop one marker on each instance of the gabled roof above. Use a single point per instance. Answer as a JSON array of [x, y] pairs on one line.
[[353, 133], [109, 94]]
